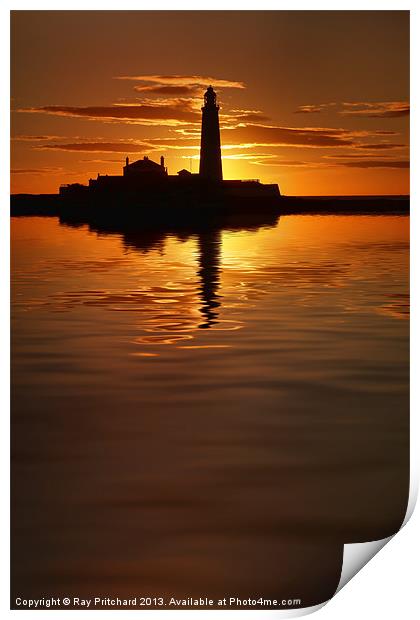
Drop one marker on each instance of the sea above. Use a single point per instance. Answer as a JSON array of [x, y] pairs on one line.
[[208, 412]]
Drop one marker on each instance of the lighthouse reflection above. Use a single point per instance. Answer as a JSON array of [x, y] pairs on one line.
[[208, 255], [209, 244]]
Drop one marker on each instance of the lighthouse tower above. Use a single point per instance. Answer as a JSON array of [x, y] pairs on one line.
[[210, 155]]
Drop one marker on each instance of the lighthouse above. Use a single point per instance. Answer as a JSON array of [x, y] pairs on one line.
[[210, 154]]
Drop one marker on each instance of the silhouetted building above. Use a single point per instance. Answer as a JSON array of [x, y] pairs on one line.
[[185, 174], [145, 168], [210, 153]]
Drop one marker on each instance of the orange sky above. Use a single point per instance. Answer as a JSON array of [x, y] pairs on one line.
[[314, 101]]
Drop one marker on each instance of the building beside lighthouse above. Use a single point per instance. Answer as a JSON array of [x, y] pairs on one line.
[[146, 183]]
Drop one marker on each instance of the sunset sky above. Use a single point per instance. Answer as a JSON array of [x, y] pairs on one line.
[[317, 102]]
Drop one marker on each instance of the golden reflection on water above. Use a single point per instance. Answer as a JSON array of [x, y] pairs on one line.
[[204, 275]]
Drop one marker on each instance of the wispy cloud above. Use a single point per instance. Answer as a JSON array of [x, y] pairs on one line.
[[381, 146], [365, 109], [376, 163], [183, 80], [101, 161], [357, 155], [36, 171], [98, 147], [264, 135], [235, 117], [359, 163], [28, 138], [378, 109], [313, 108], [161, 114], [169, 89], [291, 163]]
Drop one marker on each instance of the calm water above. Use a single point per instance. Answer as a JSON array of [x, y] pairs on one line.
[[208, 414]]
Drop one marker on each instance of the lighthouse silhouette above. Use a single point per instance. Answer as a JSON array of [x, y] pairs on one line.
[[210, 154]]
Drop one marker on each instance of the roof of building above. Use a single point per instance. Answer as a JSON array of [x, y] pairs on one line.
[[145, 164]]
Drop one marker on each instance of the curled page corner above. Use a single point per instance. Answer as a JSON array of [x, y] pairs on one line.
[[356, 556], [413, 495], [304, 611]]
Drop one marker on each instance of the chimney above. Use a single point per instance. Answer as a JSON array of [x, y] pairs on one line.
[[127, 161], [162, 162]]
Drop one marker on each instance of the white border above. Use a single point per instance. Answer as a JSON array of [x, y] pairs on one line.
[[386, 587]]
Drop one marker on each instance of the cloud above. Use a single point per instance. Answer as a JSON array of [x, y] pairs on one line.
[[292, 163], [365, 109], [244, 116], [35, 138], [183, 80], [101, 161], [36, 170], [377, 163], [245, 111], [249, 157], [381, 146], [356, 156], [178, 112], [313, 108], [379, 109], [263, 135], [175, 143], [170, 89], [360, 163], [99, 147]]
